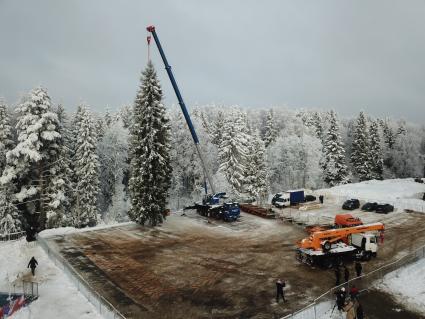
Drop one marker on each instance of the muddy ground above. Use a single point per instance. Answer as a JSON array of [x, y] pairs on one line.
[[189, 268]]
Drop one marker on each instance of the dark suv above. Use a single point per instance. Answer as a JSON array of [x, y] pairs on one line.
[[351, 204], [384, 208], [369, 207]]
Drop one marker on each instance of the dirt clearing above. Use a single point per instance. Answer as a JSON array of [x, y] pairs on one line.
[[189, 268]]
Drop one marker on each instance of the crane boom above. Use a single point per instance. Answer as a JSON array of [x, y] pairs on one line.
[[315, 240], [151, 29]]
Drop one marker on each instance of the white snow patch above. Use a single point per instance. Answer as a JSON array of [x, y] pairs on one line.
[[407, 285], [401, 193], [58, 297]]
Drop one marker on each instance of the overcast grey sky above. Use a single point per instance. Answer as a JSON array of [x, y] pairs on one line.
[[346, 55]]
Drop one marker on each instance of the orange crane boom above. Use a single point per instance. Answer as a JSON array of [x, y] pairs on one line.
[[323, 239]]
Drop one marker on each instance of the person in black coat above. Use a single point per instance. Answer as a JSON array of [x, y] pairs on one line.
[[279, 290], [358, 268], [340, 298], [346, 274], [337, 276], [321, 199], [32, 264]]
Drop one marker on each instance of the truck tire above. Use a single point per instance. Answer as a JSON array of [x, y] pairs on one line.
[[326, 246]]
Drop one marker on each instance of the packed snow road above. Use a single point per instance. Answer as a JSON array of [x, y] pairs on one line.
[[193, 268]]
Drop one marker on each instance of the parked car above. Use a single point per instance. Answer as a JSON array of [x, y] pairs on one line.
[[384, 208], [276, 197], [419, 180], [309, 198], [369, 207], [351, 204]]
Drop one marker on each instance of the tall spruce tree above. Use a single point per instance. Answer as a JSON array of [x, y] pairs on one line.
[[86, 171], [6, 138], [360, 149], [271, 132], [376, 157], [150, 167], [233, 151], [31, 164], [256, 169], [334, 164], [9, 215]]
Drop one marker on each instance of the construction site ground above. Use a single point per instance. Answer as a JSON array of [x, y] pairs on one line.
[[194, 268]]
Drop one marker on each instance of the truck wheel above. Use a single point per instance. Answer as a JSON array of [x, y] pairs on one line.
[[326, 246]]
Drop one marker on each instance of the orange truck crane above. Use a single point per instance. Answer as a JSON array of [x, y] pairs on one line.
[[327, 247]]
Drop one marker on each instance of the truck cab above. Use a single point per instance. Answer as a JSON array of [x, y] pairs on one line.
[[366, 242]]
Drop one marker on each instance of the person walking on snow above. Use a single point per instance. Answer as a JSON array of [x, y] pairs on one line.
[[358, 268], [279, 290], [321, 199], [32, 264]]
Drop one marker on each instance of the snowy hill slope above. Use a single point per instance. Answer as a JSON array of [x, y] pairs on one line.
[[58, 297], [401, 193]]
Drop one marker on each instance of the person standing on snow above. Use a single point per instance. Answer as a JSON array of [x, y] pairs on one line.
[[340, 298], [321, 199], [279, 290], [32, 264]]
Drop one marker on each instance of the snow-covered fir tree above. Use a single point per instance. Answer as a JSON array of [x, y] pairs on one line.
[[86, 171], [150, 153], [334, 164], [10, 220], [256, 170], [360, 151], [112, 150], [31, 164], [216, 134], [388, 133], [271, 132], [6, 138], [233, 151], [376, 158], [318, 125]]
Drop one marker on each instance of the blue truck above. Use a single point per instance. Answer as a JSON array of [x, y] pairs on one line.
[[288, 198]]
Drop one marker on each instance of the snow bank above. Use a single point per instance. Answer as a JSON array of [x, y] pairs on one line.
[[401, 193], [58, 297], [407, 285], [69, 230]]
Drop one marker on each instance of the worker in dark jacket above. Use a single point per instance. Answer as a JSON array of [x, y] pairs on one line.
[[279, 290], [321, 199], [32, 264], [346, 274], [354, 291], [340, 298], [337, 276], [358, 268]]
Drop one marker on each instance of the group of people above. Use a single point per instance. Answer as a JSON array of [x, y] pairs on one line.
[[358, 268], [349, 304]]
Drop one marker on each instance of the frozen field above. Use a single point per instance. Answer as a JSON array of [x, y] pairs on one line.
[[191, 268]]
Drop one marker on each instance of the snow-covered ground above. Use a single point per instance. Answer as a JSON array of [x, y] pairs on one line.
[[407, 285], [58, 297], [401, 193]]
